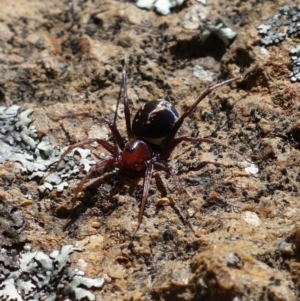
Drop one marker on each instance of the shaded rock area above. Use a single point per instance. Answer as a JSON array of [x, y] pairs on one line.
[[63, 57]]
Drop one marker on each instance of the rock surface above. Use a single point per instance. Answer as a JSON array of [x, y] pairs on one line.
[[63, 57]]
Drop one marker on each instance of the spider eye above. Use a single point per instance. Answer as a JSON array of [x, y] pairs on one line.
[[154, 121]]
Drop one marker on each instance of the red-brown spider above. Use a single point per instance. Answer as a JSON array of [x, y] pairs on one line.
[[151, 140]]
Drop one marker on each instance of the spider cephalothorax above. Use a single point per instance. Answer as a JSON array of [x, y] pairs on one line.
[[151, 140]]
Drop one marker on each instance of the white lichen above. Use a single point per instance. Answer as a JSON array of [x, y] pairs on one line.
[[282, 25], [295, 56], [47, 277], [8, 291], [19, 142], [161, 6], [252, 169], [224, 33], [285, 24], [202, 74]]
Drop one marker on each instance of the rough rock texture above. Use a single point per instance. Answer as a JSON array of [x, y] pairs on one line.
[[63, 57]]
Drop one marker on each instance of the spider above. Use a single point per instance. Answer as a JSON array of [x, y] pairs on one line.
[[151, 140]]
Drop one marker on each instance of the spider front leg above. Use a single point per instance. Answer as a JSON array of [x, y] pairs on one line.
[[126, 107], [110, 148], [116, 134], [146, 186], [205, 93]]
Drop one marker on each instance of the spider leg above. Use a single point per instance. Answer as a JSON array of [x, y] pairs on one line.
[[116, 134], [113, 150], [146, 186], [117, 105], [205, 93], [106, 162], [126, 107], [169, 169], [170, 147]]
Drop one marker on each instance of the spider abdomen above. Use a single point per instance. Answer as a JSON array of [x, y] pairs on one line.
[[135, 156], [154, 121]]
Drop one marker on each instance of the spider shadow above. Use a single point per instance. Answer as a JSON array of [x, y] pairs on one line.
[[95, 195], [94, 198], [176, 205]]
